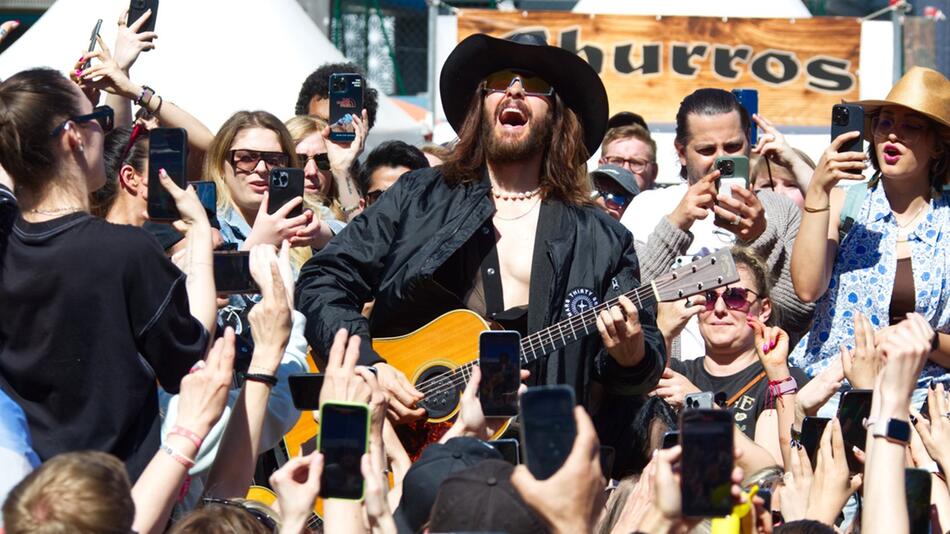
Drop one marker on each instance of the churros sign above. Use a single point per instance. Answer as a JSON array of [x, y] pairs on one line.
[[801, 68]]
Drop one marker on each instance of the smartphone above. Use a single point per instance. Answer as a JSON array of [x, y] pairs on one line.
[[207, 193], [670, 439], [346, 102], [853, 409], [232, 272], [733, 170], [509, 449], [698, 401], [707, 462], [499, 358], [812, 429], [749, 99], [137, 8], [305, 390], [167, 149], [547, 428], [848, 118], [917, 487], [93, 42], [608, 455], [344, 436], [285, 184]]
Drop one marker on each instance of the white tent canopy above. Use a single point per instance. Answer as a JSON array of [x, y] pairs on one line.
[[212, 57], [697, 8]]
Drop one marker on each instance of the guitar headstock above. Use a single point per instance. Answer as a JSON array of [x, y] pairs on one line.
[[709, 272]]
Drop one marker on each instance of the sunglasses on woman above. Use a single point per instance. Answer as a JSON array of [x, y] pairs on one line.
[[735, 298], [102, 114], [247, 160], [322, 160], [533, 85]]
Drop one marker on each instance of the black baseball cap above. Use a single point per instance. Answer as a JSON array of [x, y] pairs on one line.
[[620, 176], [626, 118]]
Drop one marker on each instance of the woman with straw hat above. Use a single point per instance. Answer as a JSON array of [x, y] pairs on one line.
[[872, 253]]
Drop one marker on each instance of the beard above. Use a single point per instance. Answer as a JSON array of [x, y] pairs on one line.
[[500, 147]]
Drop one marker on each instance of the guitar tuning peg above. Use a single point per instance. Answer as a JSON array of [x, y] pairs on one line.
[[699, 285], [719, 279]]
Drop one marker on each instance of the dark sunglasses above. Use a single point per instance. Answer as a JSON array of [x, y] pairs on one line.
[[735, 298], [261, 517], [616, 201], [533, 85], [247, 160], [102, 114], [372, 196], [322, 160]]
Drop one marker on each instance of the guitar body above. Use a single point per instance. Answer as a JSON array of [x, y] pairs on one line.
[[428, 357]]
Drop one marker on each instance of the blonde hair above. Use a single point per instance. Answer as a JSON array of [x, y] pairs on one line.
[[300, 128], [634, 131], [81, 492]]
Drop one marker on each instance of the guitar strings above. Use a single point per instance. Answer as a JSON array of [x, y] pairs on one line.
[[584, 320]]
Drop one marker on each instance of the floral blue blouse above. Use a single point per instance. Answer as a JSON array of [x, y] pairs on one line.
[[863, 279]]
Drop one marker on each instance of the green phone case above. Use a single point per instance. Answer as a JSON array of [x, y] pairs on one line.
[[740, 168], [365, 408]]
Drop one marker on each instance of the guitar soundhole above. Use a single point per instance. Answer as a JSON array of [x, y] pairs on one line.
[[443, 389]]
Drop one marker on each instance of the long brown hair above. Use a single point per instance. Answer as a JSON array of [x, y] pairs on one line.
[[563, 164]]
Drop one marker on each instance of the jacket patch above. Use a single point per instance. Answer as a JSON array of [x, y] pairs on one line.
[[580, 300]]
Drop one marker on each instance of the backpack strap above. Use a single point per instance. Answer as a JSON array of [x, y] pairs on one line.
[[853, 199]]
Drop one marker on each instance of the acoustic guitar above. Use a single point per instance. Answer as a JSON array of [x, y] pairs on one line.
[[438, 358]]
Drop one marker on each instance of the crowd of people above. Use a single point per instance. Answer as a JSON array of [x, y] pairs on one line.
[[136, 397]]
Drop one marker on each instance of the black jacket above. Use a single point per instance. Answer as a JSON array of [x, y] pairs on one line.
[[391, 252]]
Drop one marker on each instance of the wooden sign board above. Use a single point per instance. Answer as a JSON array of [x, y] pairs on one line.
[[801, 68]]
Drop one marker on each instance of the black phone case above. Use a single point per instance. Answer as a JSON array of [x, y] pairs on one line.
[[232, 273], [305, 390], [346, 100], [812, 429], [547, 428], [137, 8], [168, 149], [917, 486], [284, 185], [854, 408], [707, 461], [848, 118]]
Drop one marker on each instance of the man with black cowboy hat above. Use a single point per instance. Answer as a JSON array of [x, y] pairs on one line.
[[504, 228]]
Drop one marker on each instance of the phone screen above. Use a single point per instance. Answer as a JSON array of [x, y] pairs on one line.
[[812, 429], [344, 433], [167, 149], [917, 485], [232, 273], [499, 357], [707, 441], [547, 428], [305, 390], [854, 408], [509, 450]]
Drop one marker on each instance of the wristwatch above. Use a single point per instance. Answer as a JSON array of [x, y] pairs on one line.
[[894, 430], [146, 96]]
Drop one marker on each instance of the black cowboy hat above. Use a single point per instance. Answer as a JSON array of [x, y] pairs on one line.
[[573, 79]]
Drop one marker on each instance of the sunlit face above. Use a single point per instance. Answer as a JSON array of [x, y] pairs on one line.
[[635, 156], [317, 181], [724, 329], [711, 136], [518, 125], [319, 107], [93, 140], [247, 188], [785, 184], [904, 143]]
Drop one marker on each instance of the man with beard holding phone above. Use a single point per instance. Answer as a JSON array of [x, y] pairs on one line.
[[504, 228]]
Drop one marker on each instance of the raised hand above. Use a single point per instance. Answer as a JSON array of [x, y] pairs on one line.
[[129, 43], [834, 166], [833, 483], [671, 317], [274, 228], [817, 391], [270, 319], [695, 205], [771, 344], [341, 383], [772, 143], [742, 214], [471, 419], [796, 485], [935, 433], [106, 76], [204, 391], [905, 347], [192, 213], [673, 388], [297, 484], [863, 363]]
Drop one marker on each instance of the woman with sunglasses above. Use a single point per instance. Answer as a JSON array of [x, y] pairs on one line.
[[328, 165], [93, 313], [881, 248], [731, 368]]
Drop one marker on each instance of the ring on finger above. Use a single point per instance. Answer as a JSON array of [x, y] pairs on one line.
[[735, 222]]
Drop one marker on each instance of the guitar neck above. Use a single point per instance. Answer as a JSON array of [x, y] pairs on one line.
[[562, 334]]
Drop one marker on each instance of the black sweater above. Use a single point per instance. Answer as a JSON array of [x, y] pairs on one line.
[[92, 314]]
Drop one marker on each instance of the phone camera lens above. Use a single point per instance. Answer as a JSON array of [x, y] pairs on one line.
[[727, 167], [841, 116]]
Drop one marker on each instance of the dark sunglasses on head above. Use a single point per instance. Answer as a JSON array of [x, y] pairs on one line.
[[261, 517], [500, 81], [735, 298], [247, 160], [322, 160], [102, 114]]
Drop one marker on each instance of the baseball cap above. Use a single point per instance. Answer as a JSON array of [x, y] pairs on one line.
[[620, 175], [437, 462], [482, 499], [626, 118]]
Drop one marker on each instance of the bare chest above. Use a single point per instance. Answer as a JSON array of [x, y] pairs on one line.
[[515, 245]]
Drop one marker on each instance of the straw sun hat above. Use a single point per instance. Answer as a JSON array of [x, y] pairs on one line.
[[923, 90]]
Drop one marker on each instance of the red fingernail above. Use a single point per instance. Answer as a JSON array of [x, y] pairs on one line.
[[765, 347]]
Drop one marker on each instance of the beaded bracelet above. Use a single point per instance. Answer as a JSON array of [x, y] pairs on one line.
[[179, 457], [187, 434]]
